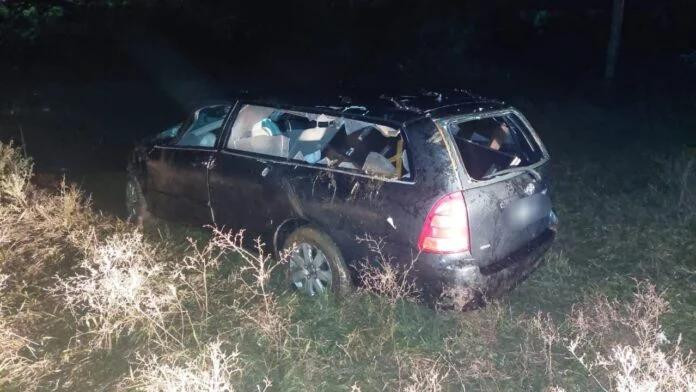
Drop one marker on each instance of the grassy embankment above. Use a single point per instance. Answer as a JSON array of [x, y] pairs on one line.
[[88, 302]]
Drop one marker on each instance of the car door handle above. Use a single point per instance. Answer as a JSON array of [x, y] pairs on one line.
[[265, 171]]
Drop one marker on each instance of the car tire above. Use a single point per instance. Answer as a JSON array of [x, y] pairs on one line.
[[310, 244], [136, 206]]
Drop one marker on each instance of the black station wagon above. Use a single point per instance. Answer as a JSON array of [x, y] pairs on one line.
[[455, 186]]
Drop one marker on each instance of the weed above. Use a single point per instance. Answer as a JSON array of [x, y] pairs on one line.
[[212, 370], [630, 351], [252, 282], [120, 287], [425, 375], [202, 314], [15, 173], [20, 361], [382, 276]]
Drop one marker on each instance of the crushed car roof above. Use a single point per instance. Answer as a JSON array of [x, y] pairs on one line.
[[394, 108]]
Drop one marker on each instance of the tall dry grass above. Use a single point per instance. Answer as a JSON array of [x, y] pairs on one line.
[[125, 288], [424, 375], [32, 230], [206, 317], [41, 230], [22, 362], [15, 171], [620, 345], [255, 303], [380, 274], [120, 287], [678, 172], [624, 347], [212, 370]]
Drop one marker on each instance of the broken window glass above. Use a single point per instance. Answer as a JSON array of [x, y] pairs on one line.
[[491, 144], [255, 131], [204, 127], [321, 139], [371, 148]]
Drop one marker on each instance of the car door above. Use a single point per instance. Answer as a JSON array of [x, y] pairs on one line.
[[178, 170], [274, 167], [246, 179], [356, 188]]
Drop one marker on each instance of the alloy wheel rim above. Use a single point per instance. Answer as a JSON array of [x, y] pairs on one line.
[[310, 271]]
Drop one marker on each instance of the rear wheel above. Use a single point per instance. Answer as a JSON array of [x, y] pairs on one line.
[[136, 206], [315, 266]]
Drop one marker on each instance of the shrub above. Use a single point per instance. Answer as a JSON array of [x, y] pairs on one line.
[[621, 345], [121, 287], [180, 308], [20, 361], [41, 232], [255, 303], [380, 275], [212, 370], [15, 173]]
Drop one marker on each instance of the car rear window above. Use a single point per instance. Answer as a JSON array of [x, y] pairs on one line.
[[490, 144]]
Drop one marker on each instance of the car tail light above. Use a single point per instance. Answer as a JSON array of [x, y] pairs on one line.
[[446, 228]]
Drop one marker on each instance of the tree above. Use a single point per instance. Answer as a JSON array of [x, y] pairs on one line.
[[22, 21], [614, 39]]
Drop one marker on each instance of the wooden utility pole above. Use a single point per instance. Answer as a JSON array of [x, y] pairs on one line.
[[614, 39]]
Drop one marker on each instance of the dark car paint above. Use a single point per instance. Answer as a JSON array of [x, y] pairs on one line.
[[244, 192], [264, 194], [177, 183]]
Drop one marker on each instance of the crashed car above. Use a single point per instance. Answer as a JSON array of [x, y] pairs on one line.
[[454, 186]]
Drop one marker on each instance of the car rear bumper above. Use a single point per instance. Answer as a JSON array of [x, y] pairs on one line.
[[438, 273]]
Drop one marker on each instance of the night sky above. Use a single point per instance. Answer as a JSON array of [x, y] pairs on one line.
[[96, 76]]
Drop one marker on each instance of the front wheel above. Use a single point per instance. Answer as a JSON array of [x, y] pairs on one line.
[[315, 265]]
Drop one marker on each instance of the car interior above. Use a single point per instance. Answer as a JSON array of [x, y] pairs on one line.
[[321, 139], [205, 127], [491, 144]]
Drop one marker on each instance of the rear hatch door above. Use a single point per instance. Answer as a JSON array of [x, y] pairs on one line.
[[504, 177]]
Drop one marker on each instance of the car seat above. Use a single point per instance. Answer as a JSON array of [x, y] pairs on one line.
[[203, 136], [265, 127]]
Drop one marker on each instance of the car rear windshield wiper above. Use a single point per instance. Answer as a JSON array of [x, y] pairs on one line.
[[527, 169]]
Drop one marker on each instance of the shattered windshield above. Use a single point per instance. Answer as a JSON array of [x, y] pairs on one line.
[[492, 144]]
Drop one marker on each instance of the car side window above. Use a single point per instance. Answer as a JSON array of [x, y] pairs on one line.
[[322, 140], [373, 149], [204, 127], [255, 131]]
